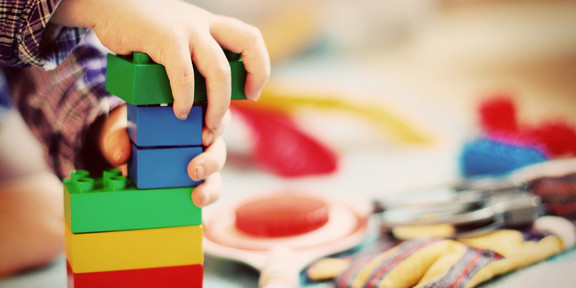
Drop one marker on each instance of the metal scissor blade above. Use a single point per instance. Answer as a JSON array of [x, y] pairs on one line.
[[469, 212]]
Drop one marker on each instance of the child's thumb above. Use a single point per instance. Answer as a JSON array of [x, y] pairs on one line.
[[116, 146], [114, 139]]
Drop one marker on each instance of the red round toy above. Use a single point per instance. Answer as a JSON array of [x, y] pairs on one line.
[[288, 215]]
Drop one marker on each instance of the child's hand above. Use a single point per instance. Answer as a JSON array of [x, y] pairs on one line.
[[115, 146], [172, 32]]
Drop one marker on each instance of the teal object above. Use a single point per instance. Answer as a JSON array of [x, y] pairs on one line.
[[113, 203], [140, 81]]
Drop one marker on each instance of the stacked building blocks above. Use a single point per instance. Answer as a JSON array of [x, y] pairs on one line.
[[142, 230]]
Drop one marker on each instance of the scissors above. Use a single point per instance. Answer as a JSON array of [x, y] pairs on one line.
[[475, 207], [467, 213]]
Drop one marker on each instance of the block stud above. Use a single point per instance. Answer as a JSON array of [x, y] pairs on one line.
[[84, 184], [141, 58], [78, 174], [109, 174], [117, 183]]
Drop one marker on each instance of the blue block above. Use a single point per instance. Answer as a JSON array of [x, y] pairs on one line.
[[162, 167], [153, 126], [486, 157]]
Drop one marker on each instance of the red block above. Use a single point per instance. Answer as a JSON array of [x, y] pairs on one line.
[[189, 276]]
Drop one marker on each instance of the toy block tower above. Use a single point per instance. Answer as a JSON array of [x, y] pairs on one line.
[[142, 230]]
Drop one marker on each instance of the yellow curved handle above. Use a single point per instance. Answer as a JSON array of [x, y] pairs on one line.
[[400, 130]]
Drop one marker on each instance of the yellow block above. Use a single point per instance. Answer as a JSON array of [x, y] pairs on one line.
[[134, 249]]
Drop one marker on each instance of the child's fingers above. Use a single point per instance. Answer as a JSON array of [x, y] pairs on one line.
[[208, 135], [180, 73], [209, 162], [208, 192], [239, 37], [210, 61]]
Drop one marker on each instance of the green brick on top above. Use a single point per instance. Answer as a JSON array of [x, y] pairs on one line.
[[140, 81], [113, 203]]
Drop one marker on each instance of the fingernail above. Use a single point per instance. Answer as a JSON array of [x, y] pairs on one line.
[[208, 136], [183, 116], [256, 96], [205, 198], [215, 126], [118, 155], [199, 172]]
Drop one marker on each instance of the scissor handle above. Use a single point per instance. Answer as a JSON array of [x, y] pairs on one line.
[[280, 269]]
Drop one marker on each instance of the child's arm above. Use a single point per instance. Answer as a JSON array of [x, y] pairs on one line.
[[173, 33]]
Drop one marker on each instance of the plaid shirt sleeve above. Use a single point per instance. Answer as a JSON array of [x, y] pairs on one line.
[[62, 105], [62, 95], [23, 24]]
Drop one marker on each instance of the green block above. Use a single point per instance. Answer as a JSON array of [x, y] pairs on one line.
[[140, 81], [113, 203]]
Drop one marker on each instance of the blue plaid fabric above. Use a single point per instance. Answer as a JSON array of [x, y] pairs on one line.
[[57, 76], [5, 101]]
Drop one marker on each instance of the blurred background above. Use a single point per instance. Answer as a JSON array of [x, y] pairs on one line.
[[426, 64], [392, 89], [449, 51], [423, 66]]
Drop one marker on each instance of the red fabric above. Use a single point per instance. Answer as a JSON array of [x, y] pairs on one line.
[[281, 147]]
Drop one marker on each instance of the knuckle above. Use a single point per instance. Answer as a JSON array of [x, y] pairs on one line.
[[252, 31], [253, 35], [183, 77], [221, 71]]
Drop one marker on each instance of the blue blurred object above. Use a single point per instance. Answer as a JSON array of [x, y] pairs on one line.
[[487, 157]]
